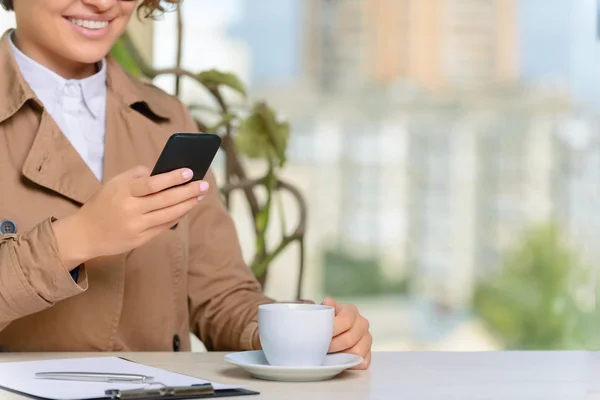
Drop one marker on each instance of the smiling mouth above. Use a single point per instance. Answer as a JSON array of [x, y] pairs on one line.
[[94, 25]]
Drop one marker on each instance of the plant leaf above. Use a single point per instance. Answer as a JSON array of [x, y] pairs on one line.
[[250, 139], [203, 108], [214, 78], [261, 136], [226, 118], [121, 55], [278, 132]]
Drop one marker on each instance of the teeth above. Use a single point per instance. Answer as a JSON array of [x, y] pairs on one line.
[[89, 24]]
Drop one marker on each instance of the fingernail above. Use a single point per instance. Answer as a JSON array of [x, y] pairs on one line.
[[187, 173], [204, 186], [200, 197]]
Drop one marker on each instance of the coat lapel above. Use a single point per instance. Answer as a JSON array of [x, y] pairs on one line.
[[133, 120], [132, 115], [14, 92], [53, 163]]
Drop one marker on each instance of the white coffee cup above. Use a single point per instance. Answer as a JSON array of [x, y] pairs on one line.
[[296, 335]]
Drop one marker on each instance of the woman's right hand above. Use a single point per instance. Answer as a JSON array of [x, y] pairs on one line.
[[127, 212]]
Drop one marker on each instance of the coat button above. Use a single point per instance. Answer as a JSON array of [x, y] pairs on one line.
[[7, 226], [176, 343]]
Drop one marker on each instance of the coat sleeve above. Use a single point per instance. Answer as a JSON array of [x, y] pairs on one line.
[[223, 293], [32, 274]]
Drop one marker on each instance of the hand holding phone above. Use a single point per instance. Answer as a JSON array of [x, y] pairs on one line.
[[137, 205], [195, 151]]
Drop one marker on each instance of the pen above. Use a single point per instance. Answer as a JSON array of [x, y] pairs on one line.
[[95, 377]]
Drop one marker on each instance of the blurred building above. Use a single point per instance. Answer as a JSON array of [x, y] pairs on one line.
[[560, 46], [434, 192], [433, 44], [206, 45], [439, 187], [333, 43], [430, 186], [271, 30]]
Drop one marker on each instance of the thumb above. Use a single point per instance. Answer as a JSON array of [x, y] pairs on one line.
[[329, 302], [137, 172]]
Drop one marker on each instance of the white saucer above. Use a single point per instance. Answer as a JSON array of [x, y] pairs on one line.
[[255, 363]]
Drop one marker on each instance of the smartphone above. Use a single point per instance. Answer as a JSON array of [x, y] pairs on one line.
[[195, 151]]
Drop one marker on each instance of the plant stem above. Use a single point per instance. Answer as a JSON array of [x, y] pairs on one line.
[[261, 267], [281, 212], [262, 223], [179, 46], [298, 234], [235, 174], [229, 146]]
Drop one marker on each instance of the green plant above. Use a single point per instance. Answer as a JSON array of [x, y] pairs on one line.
[[348, 276], [532, 303], [249, 129]]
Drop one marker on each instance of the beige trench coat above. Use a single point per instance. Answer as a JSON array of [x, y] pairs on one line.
[[191, 278]]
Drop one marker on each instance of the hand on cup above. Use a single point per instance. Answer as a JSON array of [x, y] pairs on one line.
[[350, 333], [295, 335], [127, 212]]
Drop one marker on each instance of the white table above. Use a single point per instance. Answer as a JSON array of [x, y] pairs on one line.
[[401, 376]]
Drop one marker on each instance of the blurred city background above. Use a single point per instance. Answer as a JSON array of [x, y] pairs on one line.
[[448, 151]]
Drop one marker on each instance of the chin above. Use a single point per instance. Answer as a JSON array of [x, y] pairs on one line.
[[88, 55]]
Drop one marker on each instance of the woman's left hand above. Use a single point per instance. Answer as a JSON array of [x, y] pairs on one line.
[[350, 332]]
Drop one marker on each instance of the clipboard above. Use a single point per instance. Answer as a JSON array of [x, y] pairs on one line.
[[178, 387], [150, 395]]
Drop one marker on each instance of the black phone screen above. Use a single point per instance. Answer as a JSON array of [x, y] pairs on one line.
[[195, 151]]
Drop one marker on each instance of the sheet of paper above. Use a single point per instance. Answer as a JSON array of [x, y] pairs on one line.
[[20, 376]]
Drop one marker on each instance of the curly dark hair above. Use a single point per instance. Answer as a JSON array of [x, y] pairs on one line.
[[150, 7]]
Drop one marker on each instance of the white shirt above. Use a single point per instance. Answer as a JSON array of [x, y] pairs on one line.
[[77, 106]]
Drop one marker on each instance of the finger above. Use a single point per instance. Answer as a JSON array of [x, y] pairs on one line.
[[134, 173], [175, 195], [350, 337], [345, 318], [156, 230], [329, 302], [139, 172], [362, 349], [366, 362], [154, 184], [340, 325], [150, 233], [332, 303], [166, 215]]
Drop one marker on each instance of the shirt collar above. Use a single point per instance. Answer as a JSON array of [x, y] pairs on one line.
[[45, 82], [130, 92]]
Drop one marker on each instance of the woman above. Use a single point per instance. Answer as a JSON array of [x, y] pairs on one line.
[[94, 253]]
